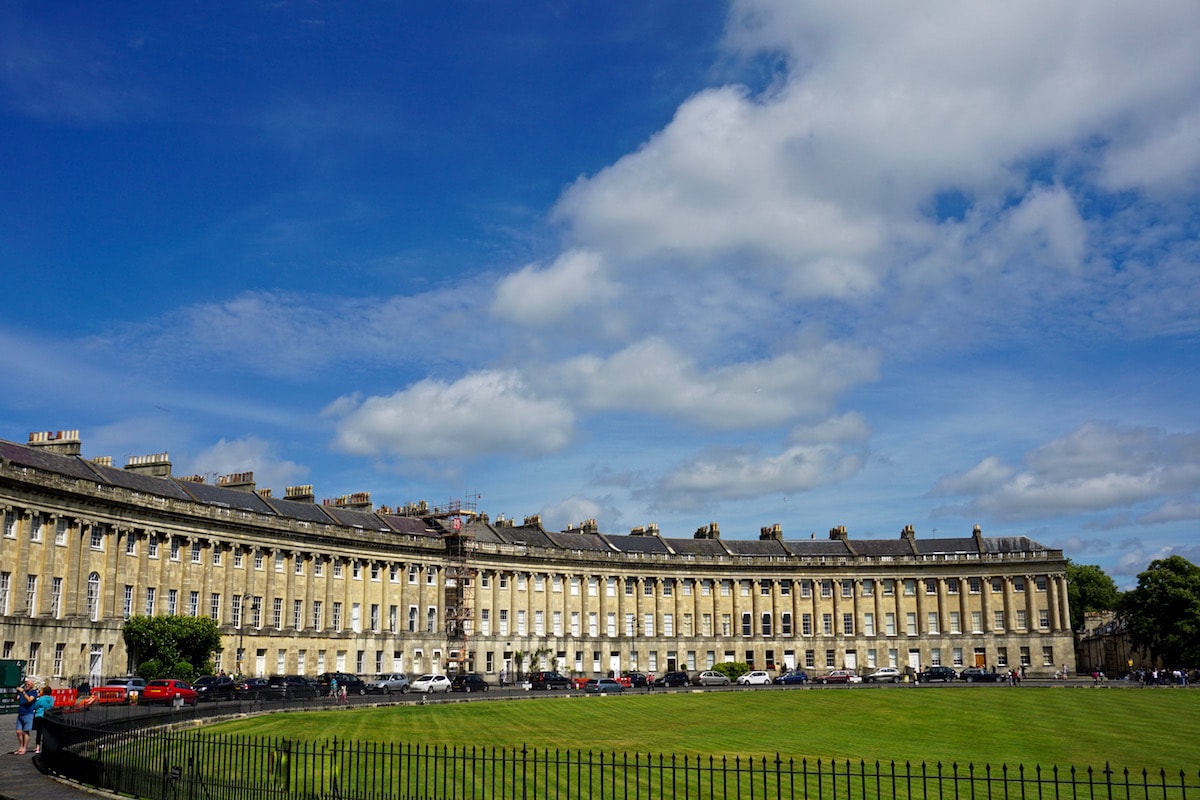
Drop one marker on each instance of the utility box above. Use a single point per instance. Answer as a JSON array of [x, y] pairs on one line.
[[12, 673]]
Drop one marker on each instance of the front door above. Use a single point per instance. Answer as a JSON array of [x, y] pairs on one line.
[[914, 659]]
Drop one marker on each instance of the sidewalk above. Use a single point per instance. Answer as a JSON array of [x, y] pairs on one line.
[[21, 780]]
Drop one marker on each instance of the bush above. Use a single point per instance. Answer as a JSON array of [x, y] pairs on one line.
[[732, 669]]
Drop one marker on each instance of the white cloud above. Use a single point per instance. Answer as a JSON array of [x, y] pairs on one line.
[[482, 413], [536, 296], [1098, 467], [658, 378], [730, 475], [250, 454]]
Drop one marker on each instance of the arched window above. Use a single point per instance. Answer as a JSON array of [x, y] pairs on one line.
[[93, 596]]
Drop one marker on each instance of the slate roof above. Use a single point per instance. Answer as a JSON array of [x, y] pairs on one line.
[[226, 498], [628, 543], [70, 466]]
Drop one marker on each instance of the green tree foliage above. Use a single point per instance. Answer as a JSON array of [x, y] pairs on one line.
[[172, 647], [732, 669], [1089, 588], [1162, 615]]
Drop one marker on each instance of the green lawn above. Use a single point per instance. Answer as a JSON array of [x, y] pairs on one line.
[[1152, 728]]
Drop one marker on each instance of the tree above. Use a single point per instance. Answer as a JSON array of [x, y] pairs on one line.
[[1089, 588], [172, 647], [1162, 615]]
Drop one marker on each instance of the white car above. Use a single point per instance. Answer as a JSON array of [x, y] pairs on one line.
[[754, 678], [885, 675], [430, 683]]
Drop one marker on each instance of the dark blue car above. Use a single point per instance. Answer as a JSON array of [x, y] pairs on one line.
[[795, 676]]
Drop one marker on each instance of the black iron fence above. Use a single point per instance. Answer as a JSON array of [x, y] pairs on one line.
[[146, 762]]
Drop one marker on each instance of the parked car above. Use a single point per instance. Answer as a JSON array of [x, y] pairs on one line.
[[754, 678], [215, 687], [796, 676], [255, 689], [430, 682], [119, 690], [392, 682], [168, 690], [885, 675], [674, 678], [981, 675], [291, 687], [633, 679], [603, 686], [937, 674], [469, 682], [710, 677], [548, 680], [352, 683], [837, 676]]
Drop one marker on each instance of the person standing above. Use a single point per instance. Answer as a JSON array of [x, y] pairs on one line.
[[44, 703], [26, 696]]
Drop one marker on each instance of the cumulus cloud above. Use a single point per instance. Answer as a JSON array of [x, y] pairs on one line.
[[482, 413], [249, 454], [721, 475], [537, 296], [655, 377], [1098, 467]]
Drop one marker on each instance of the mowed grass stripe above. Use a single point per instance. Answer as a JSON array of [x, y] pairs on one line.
[[984, 725]]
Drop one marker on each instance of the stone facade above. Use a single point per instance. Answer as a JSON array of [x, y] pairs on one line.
[[301, 587]]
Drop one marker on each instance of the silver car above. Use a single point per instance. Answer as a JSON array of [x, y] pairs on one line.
[[710, 678], [391, 682]]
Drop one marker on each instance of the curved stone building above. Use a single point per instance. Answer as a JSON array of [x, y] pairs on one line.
[[302, 587]]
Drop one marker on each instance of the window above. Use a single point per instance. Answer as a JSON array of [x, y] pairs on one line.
[[997, 585], [932, 621], [485, 621], [338, 567], [1040, 584], [827, 624], [935, 656], [630, 625], [298, 564], [317, 621], [669, 624], [726, 588], [35, 528], [279, 562], [56, 585], [910, 587], [1043, 617], [747, 624], [539, 623], [889, 623], [1021, 619], [648, 587], [10, 525], [726, 625], [998, 620], [413, 569], [31, 595], [214, 607], [556, 584], [847, 588], [826, 588], [706, 624], [216, 555], [356, 571], [522, 629], [868, 587], [1025, 662], [131, 545], [1001, 656], [239, 557], [394, 619], [97, 537], [706, 587], [686, 588], [764, 588], [504, 622], [785, 623], [374, 621], [539, 583], [259, 559], [394, 575], [150, 596], [128, 603], [974, 585], [412, 620], [957, 655], [376, 573], [335, 619], [504, 581], [848, 624], [955, 622], [830, 658], [256, 609], [174, 549], [647, 624], [952, 586], [611, 627], [910, 620], [522, 582], [172, 601], [31, 666], [806, 628], [277, 613], [806, 588], [611, 587], [298, 614], [869, 624], [1047, 656], [668, 587], [60, 650], [195, 552], [1018, 584], [889, 587]]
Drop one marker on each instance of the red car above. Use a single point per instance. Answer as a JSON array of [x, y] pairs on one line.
[[166, 690]]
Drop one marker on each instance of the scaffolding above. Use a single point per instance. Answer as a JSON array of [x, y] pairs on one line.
[[459, 597]]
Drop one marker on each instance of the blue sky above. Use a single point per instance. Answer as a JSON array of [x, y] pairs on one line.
[[807, 263]]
